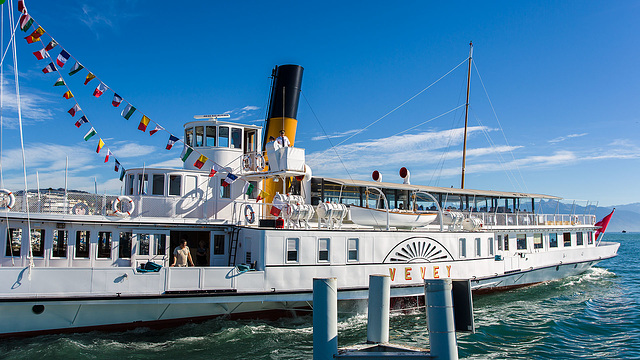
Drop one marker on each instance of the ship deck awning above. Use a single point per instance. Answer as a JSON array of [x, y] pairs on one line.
[[437, 190]]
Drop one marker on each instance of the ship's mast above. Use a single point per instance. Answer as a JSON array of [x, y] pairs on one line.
[[466, 115]]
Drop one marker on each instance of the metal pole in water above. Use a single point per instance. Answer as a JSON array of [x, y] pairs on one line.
[[378, 309], [440, 321], [325, 318]]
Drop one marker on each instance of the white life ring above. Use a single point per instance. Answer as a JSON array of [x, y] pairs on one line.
[[117, 203], [80, 208], [246, 162], [8, 200], [249, 214], [260, 163]]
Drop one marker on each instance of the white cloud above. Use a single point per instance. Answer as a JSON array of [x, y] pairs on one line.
[[335, 135], [563, 138], [131, 150]]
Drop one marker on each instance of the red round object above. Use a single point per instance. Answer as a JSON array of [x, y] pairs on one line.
[[403, 172], [375, 175]]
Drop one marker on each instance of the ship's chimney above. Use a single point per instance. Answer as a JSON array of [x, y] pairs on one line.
[[283, 104], [376, 176]]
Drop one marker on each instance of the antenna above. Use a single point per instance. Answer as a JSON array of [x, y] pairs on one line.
[[219, 116]]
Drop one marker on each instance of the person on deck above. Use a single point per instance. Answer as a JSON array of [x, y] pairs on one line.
[[201, 254], [283, 140], [182, 255]]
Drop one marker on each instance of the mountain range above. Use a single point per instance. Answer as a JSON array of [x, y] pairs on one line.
[[626, 217]]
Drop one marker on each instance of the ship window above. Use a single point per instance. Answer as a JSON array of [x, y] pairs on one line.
[[144, 240], [82, 244], [158, 184], [567, 239], [188, 136], [462, 247], [506, 242], [161, 244], [352, 249], [236, 138], [14, 242], [104, 245], [130, 185], [143, 185], [500, 242], [223, 136], [190, 184], [490, 242], [59, 246], [537, 241], [478, 247], [292, 250], [211, 136], [125, 245], [225, 191], [579, 239], [521, 243], [218, 244], [174, 185], [553, 240], [37, 242], [323, 250], [199, 135], [589, 238]]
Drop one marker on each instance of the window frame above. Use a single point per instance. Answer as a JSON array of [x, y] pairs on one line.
[[110, 241], [172, 184], [325, 250], [289, 250], [521, 242], [154, 190], [9, 243], [120, 247], [580, 238], [478, 247], [87, 239], [462, 248], [540, 244], [355, 250], [39, 254], [553, 240], [564, 239], [55, 237]]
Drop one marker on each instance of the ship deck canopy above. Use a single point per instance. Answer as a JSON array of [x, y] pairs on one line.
[[438, 190]]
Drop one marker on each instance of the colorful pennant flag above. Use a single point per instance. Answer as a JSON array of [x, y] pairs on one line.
[[229, 179], [122, 174], [144, 122], [62, 58], [51, 45], [37, 33], [40, 54], [100, 145], [186, 152], [172, 140], [117, 99], [30, 39], [275, 211], [109, 153], [248, 188], [117, 166], [261, 196], [21, 7], [25, 22], [81, 121], [90, 134], [156, 129], [68, 95], [59, 82], [100, 90], [74, 109], [49, 68], [76, 67], [213, 171], [90, 77], [200, 162], [128, 111]]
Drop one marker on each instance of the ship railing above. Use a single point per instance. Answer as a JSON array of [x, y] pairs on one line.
[[490, 219]]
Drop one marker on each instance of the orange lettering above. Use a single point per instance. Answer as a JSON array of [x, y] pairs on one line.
[[392, 273], [423, 270], [407, 273], [448, 270], [435, 272]]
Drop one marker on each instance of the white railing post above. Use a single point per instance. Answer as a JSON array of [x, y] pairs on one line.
[[378, 309], [325, 318]]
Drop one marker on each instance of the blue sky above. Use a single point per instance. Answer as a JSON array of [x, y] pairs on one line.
[[562, 77]]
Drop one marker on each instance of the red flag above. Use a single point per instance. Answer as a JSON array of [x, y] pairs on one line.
[[275, 211], [603, 224]]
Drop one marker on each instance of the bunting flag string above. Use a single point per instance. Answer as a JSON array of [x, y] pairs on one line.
[[27, 21]]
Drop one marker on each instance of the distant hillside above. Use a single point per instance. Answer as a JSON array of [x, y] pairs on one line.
[[626, 217]]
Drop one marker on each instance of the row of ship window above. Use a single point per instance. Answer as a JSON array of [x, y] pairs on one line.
[[60, 243], [157, 185], [324, 250], [553, 240]]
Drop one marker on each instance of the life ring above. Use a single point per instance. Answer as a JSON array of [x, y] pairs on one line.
[[246, 162], [8, 200], [260, 163], [249, 214], [117, 203], [80, 208]]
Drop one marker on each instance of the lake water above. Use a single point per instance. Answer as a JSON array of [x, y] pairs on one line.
[[592, 316]]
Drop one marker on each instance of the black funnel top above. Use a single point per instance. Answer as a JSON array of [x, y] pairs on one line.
[[289, 78]]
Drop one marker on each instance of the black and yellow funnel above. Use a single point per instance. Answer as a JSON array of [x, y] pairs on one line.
[[283, 110]]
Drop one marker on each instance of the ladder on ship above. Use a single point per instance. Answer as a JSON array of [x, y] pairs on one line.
[[233, 246]]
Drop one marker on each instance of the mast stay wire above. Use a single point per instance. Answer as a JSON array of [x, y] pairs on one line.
[[500, 126], [24, 162], [394, 109]]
